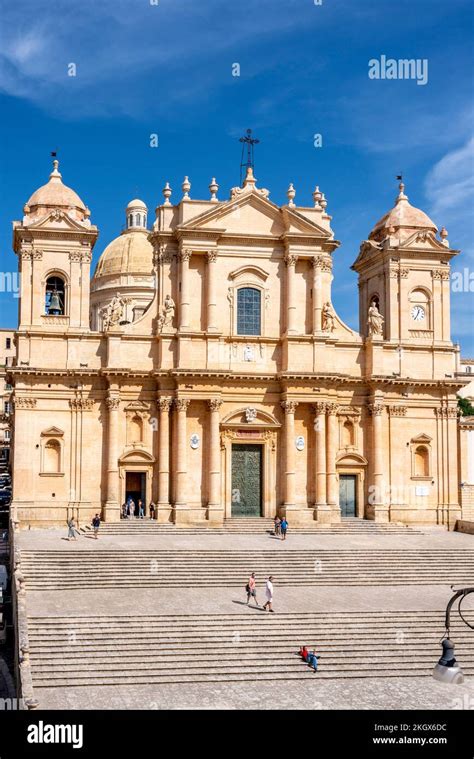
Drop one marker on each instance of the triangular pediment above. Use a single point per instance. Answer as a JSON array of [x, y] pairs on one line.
[[298, 224], [421, 438], [248, 213], [424, 240], [59, 221], [52, 432]]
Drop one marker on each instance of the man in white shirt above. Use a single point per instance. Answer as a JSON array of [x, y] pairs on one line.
[[269, 594]]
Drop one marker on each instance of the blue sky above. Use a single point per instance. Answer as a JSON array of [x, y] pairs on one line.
[[167, 69]]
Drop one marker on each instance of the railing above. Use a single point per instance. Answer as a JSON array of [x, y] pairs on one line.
[[22, 667]]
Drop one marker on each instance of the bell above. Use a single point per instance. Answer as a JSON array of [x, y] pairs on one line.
[[55, 303]]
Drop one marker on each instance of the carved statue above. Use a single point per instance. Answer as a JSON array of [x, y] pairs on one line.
[[375, 320], [248, 353], [250, 414], [327, 318], [113, 313], [167, 315]]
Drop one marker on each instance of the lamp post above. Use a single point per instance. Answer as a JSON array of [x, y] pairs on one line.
[[447, 670]]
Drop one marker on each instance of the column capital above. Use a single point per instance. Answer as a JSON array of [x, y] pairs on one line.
[[182, 404], [185, 254], [291, 259], [211, 256], [375, 409], [319, 407], [289, 407], [112, 401], [214, 404], [164, 404], [332, 408]]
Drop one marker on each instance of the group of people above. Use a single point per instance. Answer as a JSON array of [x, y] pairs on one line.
[[131, 510], [251, 590], [281, 527], [73, 532]]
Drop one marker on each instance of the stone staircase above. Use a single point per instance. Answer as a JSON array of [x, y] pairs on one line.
[[74, 568], [128, 651], [251, 525]]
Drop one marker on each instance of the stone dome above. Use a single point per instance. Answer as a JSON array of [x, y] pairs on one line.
[[403, 219], [55, 194], [130, 253]]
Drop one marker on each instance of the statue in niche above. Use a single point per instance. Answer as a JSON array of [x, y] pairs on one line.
[[248, 353], [327, 318], [167, 315], [375, 320]]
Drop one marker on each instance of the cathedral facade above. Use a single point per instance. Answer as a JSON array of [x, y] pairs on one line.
[[204, 369]]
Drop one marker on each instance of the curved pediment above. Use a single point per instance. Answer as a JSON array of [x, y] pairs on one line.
[[249, 269], [351, 459], [250, 416], [136, 456]]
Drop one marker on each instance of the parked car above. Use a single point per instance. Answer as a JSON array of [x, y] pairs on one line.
[[3, 630], [3, 577], [5, 497]]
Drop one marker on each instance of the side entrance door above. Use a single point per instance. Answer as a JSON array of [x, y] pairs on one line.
[[246, 480], [347, 495]]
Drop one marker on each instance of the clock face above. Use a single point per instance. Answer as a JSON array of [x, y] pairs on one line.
[[418, 313]]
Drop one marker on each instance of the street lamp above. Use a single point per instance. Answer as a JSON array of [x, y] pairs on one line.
[[447, 670]]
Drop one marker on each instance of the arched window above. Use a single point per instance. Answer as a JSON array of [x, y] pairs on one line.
[[249, 311], [138, 221], [422, 461], [130, 220], [55, 296], [469, 369], [52, 456]]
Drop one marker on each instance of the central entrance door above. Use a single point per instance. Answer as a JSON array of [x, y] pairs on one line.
[[347, 495], [246, 480], [135, 488]]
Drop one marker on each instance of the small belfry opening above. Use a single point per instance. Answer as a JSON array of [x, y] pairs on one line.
[[55, 296]]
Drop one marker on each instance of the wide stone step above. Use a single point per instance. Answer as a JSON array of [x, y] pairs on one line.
[[157, 649]]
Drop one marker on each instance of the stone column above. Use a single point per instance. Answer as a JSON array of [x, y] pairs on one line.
[[323, 512], [380, 510], [317, 294], [164, 405], [289, 408], [22, 456], [214, 503], [112, 506], [211, 324], [184, 257], [181, 454], [331, 472], [290, 261]]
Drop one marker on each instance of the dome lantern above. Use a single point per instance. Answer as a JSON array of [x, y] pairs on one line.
[[136, 215]]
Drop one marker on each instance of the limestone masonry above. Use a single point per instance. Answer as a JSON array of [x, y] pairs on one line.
[[203, 367]]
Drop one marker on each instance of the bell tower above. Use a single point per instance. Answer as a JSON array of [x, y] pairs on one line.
[[54, 243], [404, 271]]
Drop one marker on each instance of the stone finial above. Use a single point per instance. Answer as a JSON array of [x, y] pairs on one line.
[[290, 194], [317, 196], [186, 186], [323, 202], [213, 188], [401, 195], [444, 236], [167, 193], [249, 180], [55, 174]]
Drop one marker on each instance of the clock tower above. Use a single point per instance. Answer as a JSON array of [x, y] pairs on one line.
[[404, 270]]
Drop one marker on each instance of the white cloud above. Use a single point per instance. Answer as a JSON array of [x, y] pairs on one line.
[[449, 186]]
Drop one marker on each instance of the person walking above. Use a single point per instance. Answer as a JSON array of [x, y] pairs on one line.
[[277, 523], [131, 508], [96, 525], [283, 528], [141, 510], [71, 532], [124, 510], [251, 589], [151, 509], [269, 594]]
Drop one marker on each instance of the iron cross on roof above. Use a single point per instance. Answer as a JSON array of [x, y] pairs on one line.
[[248, 141]]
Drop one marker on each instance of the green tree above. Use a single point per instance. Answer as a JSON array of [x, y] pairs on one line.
[[466, 407]]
